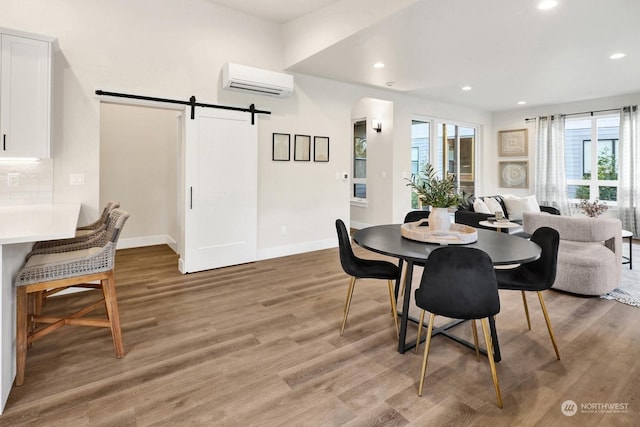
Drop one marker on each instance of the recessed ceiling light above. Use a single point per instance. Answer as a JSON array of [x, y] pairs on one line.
[[466, 87], [378, 65], [547, 4], [617, 55], [522, 102]]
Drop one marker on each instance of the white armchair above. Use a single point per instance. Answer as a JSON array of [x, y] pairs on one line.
[[590, 251]]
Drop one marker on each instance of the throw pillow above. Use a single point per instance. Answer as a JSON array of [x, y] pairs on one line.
[[517, 205], [493, 205], [480, 206]]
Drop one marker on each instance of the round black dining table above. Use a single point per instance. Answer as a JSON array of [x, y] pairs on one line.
[[502, 248]]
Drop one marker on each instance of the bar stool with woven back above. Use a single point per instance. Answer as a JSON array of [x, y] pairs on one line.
[[84, 232], [64, 267]]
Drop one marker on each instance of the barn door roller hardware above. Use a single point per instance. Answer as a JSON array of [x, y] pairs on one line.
[[191, 102]]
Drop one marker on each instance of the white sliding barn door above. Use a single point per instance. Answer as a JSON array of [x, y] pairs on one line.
[[220, 190]]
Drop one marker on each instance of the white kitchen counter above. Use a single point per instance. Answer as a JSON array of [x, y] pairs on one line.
[[20, 227], [32, 223]]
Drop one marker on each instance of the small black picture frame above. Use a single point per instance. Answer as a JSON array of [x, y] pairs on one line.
[[302, 148], [320, 148], [281, 147]]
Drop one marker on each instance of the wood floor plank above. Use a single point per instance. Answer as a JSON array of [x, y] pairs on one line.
[[259, 344]]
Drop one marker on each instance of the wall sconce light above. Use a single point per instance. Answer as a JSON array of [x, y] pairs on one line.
[[377, 125]]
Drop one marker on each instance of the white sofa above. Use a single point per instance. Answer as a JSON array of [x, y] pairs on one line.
[[590, 251]]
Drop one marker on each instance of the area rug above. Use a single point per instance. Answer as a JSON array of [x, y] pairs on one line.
[[629, 290]]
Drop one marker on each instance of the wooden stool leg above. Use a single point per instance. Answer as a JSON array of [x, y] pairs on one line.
[[38, 303], [111, 303], [22, 325]]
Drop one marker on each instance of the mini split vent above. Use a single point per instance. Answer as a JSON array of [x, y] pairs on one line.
[[256, 80]]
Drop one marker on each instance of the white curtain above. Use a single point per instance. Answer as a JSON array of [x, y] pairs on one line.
[[551, 181], [629, 170]]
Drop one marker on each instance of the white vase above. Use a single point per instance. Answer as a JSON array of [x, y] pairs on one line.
[[439, 220]]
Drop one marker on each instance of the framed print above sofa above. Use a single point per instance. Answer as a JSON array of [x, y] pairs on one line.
[[513, 174], [513, 143]]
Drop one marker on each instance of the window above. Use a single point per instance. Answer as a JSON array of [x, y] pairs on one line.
[[582, 157], [359, 174], [458, 146], [415, 160], [454, 151]]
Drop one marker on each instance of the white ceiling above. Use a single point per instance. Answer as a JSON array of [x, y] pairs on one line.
[[507, 50], [275, 10]]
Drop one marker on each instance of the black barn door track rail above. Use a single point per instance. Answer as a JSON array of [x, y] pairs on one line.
[[191, 102]]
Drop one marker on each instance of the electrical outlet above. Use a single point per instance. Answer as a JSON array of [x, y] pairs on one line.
[[13, 179], [76, 179], [283, 230]]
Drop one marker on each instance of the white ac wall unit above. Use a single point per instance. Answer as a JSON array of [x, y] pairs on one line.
[[256, 80]]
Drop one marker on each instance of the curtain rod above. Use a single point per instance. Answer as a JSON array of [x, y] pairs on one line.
[[583, 112], [191, 102]]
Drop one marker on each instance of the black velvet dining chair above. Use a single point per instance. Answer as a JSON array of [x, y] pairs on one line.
[[535, 276], [460, 283], [411, 216], [359, 268], [414, 216]]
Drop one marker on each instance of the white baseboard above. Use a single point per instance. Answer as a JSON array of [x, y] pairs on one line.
[[280, 251], [266, 253], [138, 242]]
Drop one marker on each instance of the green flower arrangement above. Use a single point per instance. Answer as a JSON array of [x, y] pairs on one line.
[[432, 191]]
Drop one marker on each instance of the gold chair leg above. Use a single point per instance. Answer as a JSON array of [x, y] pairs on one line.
[[494, 374], [347, 303], [426, 353], [475, 338], [526, 309], [403, 278], [394, 309], [420, 323], [546, 318]]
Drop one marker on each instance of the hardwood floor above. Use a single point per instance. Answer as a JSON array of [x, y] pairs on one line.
[[259, 344]]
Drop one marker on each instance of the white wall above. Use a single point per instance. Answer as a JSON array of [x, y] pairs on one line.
[[138, 168], [166, 48], [379, 207], [175, 49], [515, 119]]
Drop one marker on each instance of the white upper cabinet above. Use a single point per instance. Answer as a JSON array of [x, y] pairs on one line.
[[25, 94]]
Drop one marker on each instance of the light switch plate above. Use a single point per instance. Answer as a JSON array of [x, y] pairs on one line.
[[76, 179], [13, 179]]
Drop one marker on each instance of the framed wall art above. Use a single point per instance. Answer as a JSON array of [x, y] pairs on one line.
[[320, 148], [513, 174], [281, 147], [302, 148], [513, 143]]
